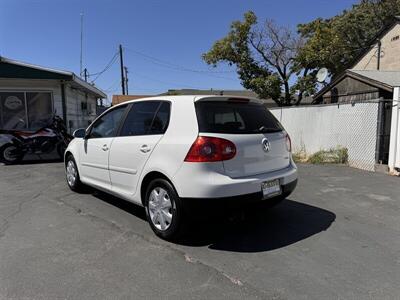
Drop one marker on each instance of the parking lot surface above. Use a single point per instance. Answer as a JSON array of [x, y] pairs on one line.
[[336, 237]]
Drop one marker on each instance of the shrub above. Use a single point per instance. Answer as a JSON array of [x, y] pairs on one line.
[[337, 155]]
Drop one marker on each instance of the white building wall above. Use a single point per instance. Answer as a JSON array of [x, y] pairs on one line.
[[313, 128], [80, 117]]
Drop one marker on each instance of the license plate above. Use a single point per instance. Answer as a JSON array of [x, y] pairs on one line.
[[271, 188]]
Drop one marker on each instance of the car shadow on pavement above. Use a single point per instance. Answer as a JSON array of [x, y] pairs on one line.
[[40, 161], [127, 206], [260, 230], [250, 230]]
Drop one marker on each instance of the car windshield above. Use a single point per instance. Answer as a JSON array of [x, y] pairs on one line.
[[235, 117]]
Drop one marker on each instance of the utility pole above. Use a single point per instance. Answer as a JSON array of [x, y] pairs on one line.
[[122, 70], [80, 70], [85, 74], [126, 80]]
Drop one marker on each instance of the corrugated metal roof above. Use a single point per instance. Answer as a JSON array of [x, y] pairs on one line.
[[391, 78]]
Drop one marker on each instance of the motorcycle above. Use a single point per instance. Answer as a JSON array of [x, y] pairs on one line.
[[17, 143]]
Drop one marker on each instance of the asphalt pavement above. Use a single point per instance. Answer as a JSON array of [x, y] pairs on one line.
[[336, 237]]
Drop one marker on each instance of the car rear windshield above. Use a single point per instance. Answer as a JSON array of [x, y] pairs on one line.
[[235, 117]]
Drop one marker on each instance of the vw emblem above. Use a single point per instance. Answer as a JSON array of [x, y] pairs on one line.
[[266, 145]]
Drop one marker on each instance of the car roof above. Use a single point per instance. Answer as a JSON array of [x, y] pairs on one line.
[[194, 98]]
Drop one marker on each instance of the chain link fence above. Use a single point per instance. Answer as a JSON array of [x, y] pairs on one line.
[[354, 126]]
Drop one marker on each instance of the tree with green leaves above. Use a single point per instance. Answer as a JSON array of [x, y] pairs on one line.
[[334, 43], [269, 57], [265, 58]]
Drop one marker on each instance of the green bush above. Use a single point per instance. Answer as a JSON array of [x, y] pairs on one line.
[[337, 155]]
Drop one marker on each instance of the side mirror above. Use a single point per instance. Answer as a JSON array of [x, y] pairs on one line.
[[79, 133]]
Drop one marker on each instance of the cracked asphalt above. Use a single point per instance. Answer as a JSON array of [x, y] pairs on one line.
[[336, 237]]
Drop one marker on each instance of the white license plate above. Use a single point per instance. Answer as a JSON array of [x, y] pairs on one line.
[[271, 188]]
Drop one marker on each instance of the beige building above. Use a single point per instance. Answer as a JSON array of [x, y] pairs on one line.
[[382, 55]]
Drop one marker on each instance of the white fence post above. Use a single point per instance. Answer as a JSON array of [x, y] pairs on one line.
[[394, 148]]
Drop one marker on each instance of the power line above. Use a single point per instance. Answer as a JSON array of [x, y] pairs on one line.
[[108, 66], [176, 67], [113, 86]]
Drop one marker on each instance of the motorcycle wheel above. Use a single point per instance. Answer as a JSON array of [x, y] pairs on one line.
[[10, 154], [61, 150]]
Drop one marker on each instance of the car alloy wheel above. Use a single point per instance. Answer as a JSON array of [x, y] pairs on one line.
[[71, 173], [160, 208]]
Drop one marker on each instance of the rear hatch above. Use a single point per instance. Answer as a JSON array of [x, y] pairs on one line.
[[259, 138]]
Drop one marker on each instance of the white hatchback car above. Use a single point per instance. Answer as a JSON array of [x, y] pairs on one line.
[[164, 152]]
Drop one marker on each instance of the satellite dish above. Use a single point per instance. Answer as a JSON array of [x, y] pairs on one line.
[[322, 74]]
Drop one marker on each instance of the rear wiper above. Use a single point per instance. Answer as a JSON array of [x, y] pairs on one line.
[[264, 129]]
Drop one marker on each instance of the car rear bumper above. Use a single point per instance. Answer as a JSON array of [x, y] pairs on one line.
[[200, 181], [287, 189]]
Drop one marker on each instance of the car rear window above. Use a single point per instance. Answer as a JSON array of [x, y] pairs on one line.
[[235, 117]]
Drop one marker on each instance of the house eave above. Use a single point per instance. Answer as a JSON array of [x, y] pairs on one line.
[[88, 87], [27, 65], [355, 76]]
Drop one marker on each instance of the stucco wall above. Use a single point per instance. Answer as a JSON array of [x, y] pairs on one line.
[[79, 117], [314, 128], [390, 49]]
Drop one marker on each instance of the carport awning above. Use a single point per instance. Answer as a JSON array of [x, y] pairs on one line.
[[15, 69]]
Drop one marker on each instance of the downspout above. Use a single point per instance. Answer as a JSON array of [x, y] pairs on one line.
[[63, 102], [380, 132]]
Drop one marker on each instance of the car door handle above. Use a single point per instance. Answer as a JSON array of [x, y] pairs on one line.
[[145, 148], [104, 148]]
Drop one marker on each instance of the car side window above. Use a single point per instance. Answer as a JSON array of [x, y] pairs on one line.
[[147, 117], [108, 124]]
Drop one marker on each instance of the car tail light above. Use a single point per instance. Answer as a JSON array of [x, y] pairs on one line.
[[288, 143], [209, 149]]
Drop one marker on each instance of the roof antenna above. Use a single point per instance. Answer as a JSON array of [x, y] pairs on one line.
[[81, 67]]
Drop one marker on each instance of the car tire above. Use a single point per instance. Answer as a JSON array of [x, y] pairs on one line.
[[72, 175], [7, 158], [164, 210]]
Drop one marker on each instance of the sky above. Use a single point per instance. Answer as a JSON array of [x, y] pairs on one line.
[[162, 40]]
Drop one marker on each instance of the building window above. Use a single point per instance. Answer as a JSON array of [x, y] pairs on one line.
[[25, 110], [395, 38]]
